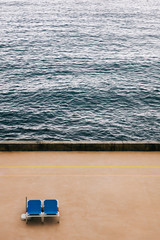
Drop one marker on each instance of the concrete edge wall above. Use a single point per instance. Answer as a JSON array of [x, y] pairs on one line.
[[78, 146]]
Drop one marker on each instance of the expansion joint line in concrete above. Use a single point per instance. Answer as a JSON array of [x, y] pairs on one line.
[[77, 175], [55, 175], [80, 166]]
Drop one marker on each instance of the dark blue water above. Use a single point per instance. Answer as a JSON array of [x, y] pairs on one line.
[[79, 70]]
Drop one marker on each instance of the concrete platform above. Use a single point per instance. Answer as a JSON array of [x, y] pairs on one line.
[[102, 195]]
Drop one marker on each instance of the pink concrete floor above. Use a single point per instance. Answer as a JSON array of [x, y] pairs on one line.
[[102, 195]]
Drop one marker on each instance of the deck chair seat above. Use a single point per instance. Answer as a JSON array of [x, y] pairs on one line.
[[51, 207], [34, 207]]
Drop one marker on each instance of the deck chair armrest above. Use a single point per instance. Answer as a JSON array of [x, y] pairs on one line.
[[26, 205]]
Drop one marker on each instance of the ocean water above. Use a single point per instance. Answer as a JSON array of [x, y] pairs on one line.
[[80, 70]]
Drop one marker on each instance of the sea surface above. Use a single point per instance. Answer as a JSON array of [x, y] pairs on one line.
[[80, 70]]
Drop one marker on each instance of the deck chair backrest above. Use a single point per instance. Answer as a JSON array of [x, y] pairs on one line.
[[34, 207], [51, 206]]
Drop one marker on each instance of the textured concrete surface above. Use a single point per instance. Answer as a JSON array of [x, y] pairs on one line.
[[102, 195], [78, 146]]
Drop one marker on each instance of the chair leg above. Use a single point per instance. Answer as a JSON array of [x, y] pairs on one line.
[[42, 219]]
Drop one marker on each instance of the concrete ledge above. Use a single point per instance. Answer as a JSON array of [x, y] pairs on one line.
[[78, 146]]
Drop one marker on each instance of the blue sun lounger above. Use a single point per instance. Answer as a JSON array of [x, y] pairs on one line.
[[51, 208], [33, 209]]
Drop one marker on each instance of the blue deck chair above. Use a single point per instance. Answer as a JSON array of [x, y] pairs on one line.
[[51, 208], [33, 209]]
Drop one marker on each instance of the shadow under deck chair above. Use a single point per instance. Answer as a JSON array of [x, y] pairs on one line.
[[51, 209]]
